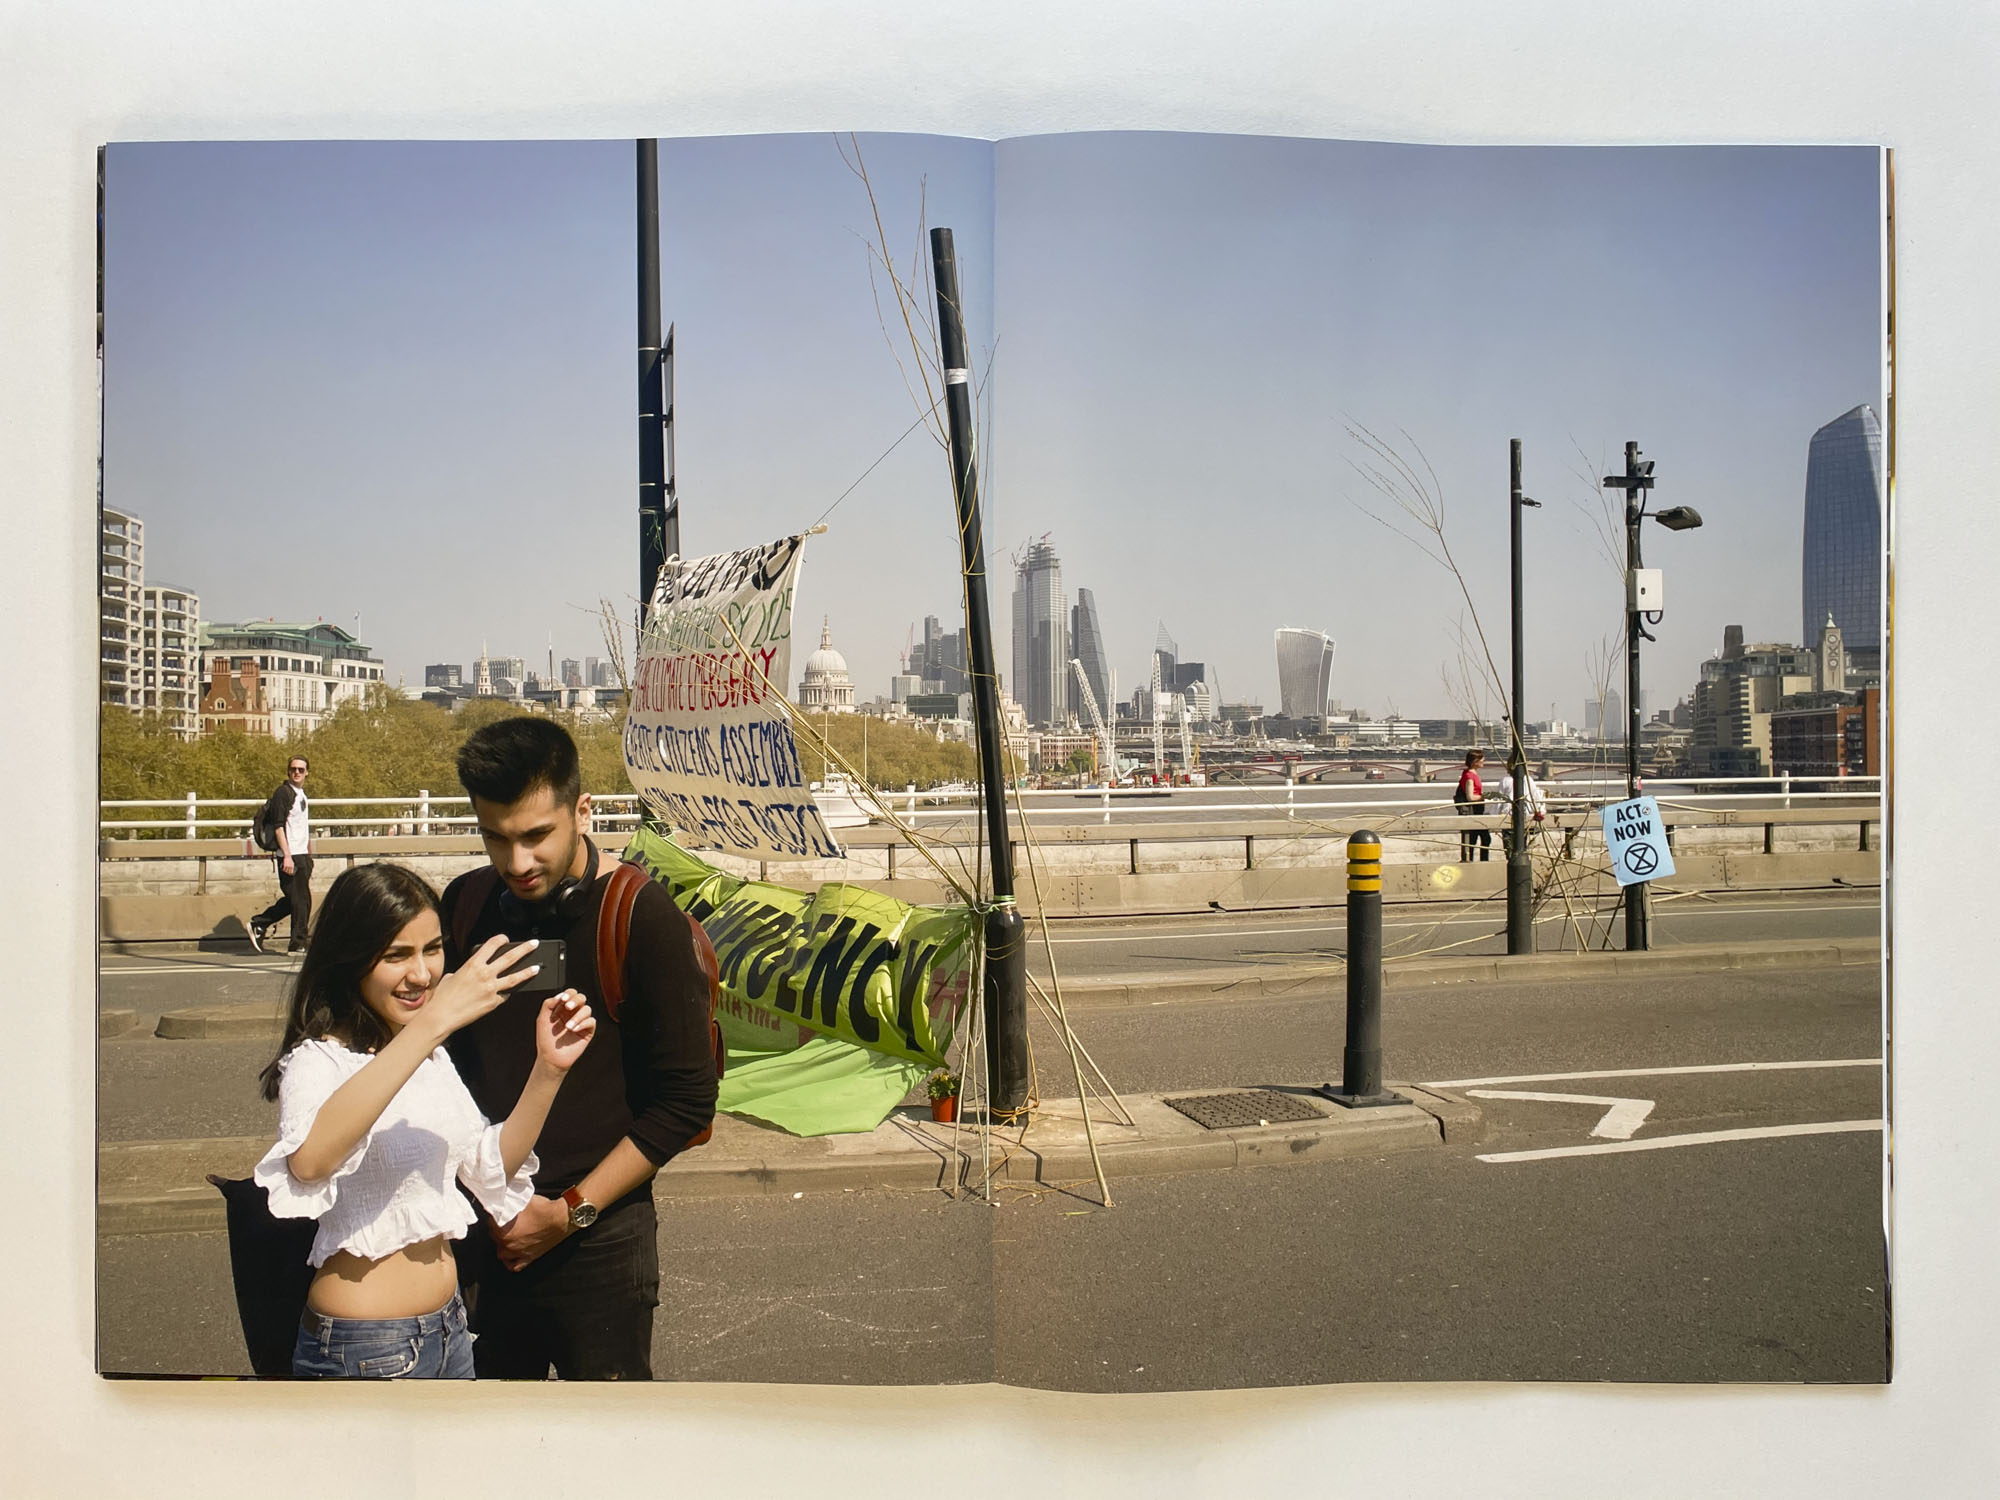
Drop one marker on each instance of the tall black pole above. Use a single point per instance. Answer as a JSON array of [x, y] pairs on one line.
[[659, 529], [1006, 946], [1520, 869], [1636, 937]]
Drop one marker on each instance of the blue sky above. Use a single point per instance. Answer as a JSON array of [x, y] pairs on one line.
[[394, 381]]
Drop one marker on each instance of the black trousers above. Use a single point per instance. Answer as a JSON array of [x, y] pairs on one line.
[[1468, 837], [295, 897], [585, 1308]]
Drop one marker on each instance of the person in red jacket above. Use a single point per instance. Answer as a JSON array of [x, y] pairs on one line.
[[1471, 800]]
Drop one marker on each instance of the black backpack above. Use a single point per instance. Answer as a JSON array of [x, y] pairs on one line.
[[270, 818], [267, 1263]]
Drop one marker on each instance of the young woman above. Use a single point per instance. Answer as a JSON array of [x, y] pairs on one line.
[[1471, 799], [374, 1125]]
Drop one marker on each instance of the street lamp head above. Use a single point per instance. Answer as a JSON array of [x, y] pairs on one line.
[[1678, 517]]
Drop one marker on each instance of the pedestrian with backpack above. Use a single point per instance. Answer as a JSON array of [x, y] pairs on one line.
[[282, 826], [571, 1281]]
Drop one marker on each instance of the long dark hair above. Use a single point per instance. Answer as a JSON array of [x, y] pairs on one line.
[[359, 918]]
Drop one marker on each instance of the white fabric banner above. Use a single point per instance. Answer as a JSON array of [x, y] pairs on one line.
[[708, 744]]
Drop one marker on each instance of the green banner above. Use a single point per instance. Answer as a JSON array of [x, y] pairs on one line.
[[834, 1002]]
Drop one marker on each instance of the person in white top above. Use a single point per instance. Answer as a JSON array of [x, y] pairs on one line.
[[376, 1129], [1538, 807], [289, 815]]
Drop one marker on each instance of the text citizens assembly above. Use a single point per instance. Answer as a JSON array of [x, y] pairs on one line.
[[707, 742]]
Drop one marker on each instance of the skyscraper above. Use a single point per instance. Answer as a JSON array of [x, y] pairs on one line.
[[1843, 534], [1305, 670], [940, 659], [1040, 682], [1087, 646], [147, 658]]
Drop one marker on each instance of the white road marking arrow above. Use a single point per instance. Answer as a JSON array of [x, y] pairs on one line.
[[1621, 1116]]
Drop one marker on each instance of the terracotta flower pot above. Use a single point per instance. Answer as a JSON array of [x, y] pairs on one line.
[[945, 1110]]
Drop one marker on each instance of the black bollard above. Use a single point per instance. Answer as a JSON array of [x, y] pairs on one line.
[[1361, 1060]]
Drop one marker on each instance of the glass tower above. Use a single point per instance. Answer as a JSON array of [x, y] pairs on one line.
[[1843, 532], [1041, 636], [1087, 644], [1305, 670]]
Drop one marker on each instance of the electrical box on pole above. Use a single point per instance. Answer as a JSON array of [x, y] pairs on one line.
[[1645, 590]]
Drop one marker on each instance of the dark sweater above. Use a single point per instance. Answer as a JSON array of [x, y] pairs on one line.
[[648, 1075]]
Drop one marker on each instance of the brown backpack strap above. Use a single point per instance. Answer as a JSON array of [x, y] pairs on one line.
[[614, 941], [614, 933], [471, 900]]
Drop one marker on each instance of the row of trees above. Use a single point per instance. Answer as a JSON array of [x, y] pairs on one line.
[[888, 755], [389, 746]]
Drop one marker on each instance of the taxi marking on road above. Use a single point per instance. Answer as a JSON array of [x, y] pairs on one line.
[[1621, 1116], [1700, 1138]]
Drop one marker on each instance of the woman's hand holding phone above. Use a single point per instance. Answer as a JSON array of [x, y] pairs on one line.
[[476, 986]]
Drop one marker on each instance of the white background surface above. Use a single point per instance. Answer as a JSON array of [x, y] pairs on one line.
[[1921, 78]]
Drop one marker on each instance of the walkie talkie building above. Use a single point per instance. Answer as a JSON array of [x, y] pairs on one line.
[[1843, 533], [1305, 670]]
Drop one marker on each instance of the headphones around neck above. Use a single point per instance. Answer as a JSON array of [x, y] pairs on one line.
[[562, 906]]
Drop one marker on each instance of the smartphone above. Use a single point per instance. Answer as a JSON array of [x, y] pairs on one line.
[[554, 975]]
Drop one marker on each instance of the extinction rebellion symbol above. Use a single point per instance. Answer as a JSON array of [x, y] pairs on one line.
[[1642, 859]]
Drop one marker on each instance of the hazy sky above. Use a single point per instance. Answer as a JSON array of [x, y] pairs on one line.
[[395, 381]]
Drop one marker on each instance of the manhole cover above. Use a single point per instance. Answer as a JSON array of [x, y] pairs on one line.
[[1244, 1107]]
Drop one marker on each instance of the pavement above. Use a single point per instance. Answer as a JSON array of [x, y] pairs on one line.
[[159, 1186], [152, 1187]]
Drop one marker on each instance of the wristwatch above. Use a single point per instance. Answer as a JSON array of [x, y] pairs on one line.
[[582, 1212]]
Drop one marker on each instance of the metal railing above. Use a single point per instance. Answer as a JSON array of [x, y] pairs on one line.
[[1293, 799], [421, 816], [425, 815]]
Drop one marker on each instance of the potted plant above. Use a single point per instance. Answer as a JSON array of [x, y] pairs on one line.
[[943, 1089]]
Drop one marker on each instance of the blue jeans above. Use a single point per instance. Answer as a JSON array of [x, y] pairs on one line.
[[431, 1346]]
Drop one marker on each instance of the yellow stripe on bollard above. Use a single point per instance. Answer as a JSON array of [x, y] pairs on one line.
[[1365, 865]]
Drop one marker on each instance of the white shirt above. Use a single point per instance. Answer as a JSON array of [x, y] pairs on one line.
[[297, 837], [1537, 805], [395, 1187]]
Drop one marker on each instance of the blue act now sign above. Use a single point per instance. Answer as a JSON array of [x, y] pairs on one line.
[[1637, 840]]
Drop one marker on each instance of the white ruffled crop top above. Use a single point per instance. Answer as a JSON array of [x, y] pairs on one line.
[[395, 1187]]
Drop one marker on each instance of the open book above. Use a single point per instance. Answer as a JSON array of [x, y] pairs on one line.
[[1250, 417]]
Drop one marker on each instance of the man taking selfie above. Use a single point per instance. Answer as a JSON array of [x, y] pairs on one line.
[[572, 1282]]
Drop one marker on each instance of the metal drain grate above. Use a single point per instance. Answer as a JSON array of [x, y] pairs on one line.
[[1245, 1107]]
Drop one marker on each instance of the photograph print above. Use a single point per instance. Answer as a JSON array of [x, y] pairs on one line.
[[705, 898]]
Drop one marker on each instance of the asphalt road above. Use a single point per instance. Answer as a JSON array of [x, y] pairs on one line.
[[1757, 1258], [1091, 947]]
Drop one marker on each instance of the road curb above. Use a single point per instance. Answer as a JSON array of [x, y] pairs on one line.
[[251, 1022], [1264, 982], [160, 1187], [1281, 981]]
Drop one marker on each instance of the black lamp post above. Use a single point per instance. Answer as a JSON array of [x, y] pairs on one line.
[[1520, 868], [1635, 481]]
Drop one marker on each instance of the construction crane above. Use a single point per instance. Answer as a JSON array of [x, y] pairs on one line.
[[1103, 729], [1159, 728], [1187, 740]]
